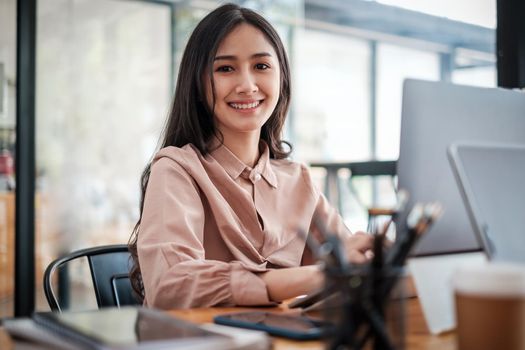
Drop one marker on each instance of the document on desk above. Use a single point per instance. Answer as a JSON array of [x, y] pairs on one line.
[[127, 328], [432, 277]]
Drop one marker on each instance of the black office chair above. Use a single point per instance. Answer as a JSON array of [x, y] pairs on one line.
[[109, 266]]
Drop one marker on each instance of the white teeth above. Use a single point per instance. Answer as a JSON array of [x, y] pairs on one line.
[[245, 105]]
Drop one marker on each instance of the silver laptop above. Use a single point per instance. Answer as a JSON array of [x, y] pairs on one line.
[[436, 114], [491, 177]]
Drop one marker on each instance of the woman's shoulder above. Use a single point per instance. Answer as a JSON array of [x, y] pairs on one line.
[[176, 154], [175, 157], [288, 166], [292, 169]]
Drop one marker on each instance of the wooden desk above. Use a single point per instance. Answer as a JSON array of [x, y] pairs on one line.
[[417, 336]]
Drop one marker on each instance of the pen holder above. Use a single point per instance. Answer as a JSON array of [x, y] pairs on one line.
[[365, 302], [366, 305]]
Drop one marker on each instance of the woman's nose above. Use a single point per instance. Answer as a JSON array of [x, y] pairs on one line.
[[247, 84]]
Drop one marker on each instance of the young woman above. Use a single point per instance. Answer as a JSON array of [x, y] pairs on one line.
[[222, 209]]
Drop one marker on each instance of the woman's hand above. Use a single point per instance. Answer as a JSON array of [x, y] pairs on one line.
[[359, 247], [290, 282]]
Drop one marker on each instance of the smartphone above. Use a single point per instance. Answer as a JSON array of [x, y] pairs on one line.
[[287, 326]]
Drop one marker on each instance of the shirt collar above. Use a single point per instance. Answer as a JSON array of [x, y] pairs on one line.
[[235, 167]]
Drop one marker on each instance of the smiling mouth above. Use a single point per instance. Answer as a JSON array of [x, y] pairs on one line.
[[241, 106]]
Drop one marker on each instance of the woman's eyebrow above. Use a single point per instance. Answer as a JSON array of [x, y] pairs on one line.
[[233, 57]]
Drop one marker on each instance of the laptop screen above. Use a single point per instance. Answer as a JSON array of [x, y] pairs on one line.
[[492, 180]]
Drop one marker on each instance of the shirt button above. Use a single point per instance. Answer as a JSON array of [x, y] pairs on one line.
[[256, 177]]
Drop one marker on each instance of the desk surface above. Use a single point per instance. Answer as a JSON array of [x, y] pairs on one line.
[[417, 337]]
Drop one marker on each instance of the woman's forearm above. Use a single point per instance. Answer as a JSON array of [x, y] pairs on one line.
[[290, 282]]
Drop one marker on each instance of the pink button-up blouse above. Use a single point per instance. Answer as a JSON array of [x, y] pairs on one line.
[[211, 225]]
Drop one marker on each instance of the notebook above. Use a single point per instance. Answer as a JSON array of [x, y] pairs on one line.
[[491, 178]]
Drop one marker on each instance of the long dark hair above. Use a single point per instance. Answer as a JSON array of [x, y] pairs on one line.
[[191, 119]]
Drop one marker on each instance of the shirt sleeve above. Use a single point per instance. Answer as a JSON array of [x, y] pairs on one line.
[[326, 219], [171, 252]]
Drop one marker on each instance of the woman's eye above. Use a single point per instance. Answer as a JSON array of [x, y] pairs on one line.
[[224, 69], [261, 66]]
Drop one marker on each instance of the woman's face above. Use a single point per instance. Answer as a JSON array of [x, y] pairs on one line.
[[246, 75]]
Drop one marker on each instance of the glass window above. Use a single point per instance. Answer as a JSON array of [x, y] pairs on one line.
[[394, 65], [404, 50], [103, 90], [479, 12], [331, 96], [475, 68], [7, 152], [479, 76]]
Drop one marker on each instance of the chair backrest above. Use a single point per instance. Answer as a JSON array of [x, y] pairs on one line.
[[109, 266]]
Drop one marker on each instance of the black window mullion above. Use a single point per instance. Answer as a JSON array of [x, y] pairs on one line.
[[24, 298]]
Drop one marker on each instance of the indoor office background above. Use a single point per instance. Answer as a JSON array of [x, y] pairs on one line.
[[105, 71]]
